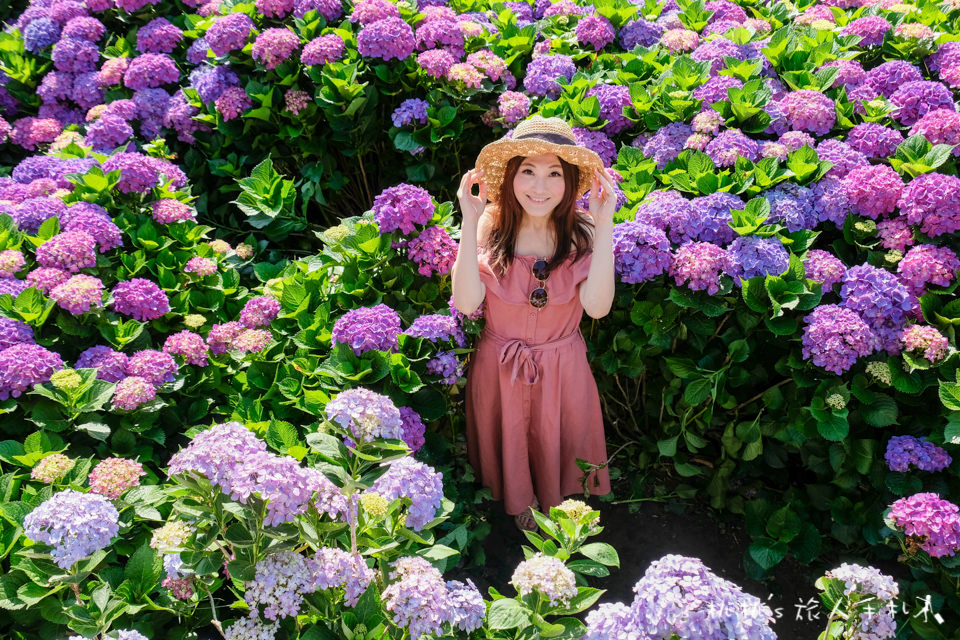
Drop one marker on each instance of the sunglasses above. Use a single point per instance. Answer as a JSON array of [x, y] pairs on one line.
[[538, 297]]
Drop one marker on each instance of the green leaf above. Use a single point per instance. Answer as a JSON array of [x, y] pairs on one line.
[[144, 570], [882, 412], [767, 553], [602, 553], [950, 395], [697, 391], [281, 435], [507, 614], [784, 524]]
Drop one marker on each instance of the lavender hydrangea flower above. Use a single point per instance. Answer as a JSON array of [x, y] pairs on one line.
[[408, 478], [387, 39], [699, 266], [927, 264], [75, 56], [229, 33], [336, 568], [168, 211], [329, 9], [915, 99], [824, 267], [280, 481], [369, 11], [641, 252], [544, 72], [640, 32], [158, 36], [932, 201], [141, 299], [446, 366], [731, 144], [836, 337], [417, 599], [844, 157], [437, 328], [280, 582], [715, 89], [849, 72], [413, 428], [211, 82], [874, 140], [886, 78], [904, 451], [412, 110], [613, 99], [105, 233], [513, 107], [216, 452], [792, 206], [880, 299], [110, 365], [895, 233], [709, 222], [156, 366], [24, 365], [467, 609], [667, 143], [78, 294], [596, 31], [14, 332], [367, 415], [149, 71], [40, 34], [274, 8], [222, 336], [401, 207], [32, 132], [871, 30], [869, 595], [75, 524], [752, 256], [368, 328], [931, 522], [275, 45], [598, 142]]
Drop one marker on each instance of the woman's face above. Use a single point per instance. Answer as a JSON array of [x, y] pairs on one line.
[[539, 185]]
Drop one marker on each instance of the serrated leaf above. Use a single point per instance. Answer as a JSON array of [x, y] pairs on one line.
[[601, 552], [144, 570], [882, 412], [507, 614]]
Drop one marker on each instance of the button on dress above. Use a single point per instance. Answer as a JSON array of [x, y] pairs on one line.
[[531, 401]]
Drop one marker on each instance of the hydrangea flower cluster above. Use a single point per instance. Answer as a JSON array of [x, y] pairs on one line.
[[927, 264], [367, 415], [873, 190], [259, 311], [413, 428], [23, 365], [679, 596], [824, 267], [401, 207], [274, 46], [52, 468], [699, 265], [433, 251], [113, 476], [932, 201], [229, 33], [752, 256], [871, 592], [388, 39], [793, 206], [730, 145], [543, 74], [940, 126], [189, 345], [279, 584], [808, 110], [171, 536], [513, 107], [419, 600], [596, 31], [78, 294], [368, 328], [926, 340], [546, 575], [446, 366], [408, 478], [437, 328], [836, 337], [871, 30], [874, 140], [321, 50], [878, 297], [156, 366], [68, 251], [140, 299], [904, 451], [915, 99], [132, 392], [930, 522], [74, 524], [641, 252]]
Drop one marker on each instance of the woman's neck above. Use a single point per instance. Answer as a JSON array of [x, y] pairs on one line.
[[536, 224]]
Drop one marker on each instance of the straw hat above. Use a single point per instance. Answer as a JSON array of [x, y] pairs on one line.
[[532, 137]]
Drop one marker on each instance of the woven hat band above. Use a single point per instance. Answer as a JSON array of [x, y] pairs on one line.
[[555, 138]]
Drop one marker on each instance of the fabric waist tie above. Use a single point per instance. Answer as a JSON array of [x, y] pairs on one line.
[[518, 355]]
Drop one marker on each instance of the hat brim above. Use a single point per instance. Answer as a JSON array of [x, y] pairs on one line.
[[494, 157]]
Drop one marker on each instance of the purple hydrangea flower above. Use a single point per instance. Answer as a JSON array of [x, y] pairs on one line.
[[792, 206], [830, 200], [141, 299], [849, 72], [197, 51], [200, 266], [547, 576], [932, 201], [368, 328], [155, 366], [437, 328], [158, 36], [407, 478], [844, 157], [387, 39], [229, 33], [369, 11], [598, 142], [904, 451], [544, 72], [275, 45], [940, 126], [68, 251], [871, 30], [168, 211], [440, 33], [76, 525], [14, 332], [667, 143], [641, 252], [280, 481], [433, 251], [824, 267], [612, 98], [699, 266], [895, 233], [401, 207], [880, 299], [367, 415], [730, 145], [107, 133], [78, 294], [874, 140], [932, 522], [417, 600], [40, 34], [752, 256], [280, 581], [211, 82], [446, 366], [217, 452], [413, 428], [274, 8], [886, 78], [873, 190], [596, 31], [222, 336], [915, 99], [836, 337], [75, 55], [715, 51], [927, 264], [110, 365], [31, 132], [189, 345], [715, 89], [232, 103], [329, 9], [24, 365], [410, 111], [137, 174], [149, 71], [339, 568], [807, 110], [324, 49], [640, 32]]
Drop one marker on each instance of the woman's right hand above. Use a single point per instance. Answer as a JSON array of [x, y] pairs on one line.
[[472, 206]]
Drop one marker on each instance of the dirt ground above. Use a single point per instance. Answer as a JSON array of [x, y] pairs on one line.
[[653, 531]]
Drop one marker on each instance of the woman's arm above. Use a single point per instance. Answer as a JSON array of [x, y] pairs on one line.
[[596, 292], [468, 289]]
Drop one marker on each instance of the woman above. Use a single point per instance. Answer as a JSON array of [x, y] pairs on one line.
[[537, 263]]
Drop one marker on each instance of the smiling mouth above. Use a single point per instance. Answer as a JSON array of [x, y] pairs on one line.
[[537, 200]]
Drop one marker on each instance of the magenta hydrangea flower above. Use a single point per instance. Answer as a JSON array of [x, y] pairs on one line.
[[132, 392], [895, 233], [835, 338], [259, 311], [274, 8], [849, 72], [32, 132], [137, 173], [699, 265], [11, 261], [939, 126], [24, 365], [402, 206], [595, 31], [730, 145], [874, 140], [408, 478], [543, 74], [149, 71], [168, 211], [915, 99], [14, 332], [232, 103], [434, 251], [513, 107], [873, 190], [158, 36], [74, 524], [641, 252], [229, 33], [925, 340], [904, 451], [439, 33], [222, 336], [189, 345], [368, 328], [932, 201], [824, 267], [807, 110], [436, 62], [110, 365], [844, 157], [386, 39], [155, 366], [275, 45], [78, 294], [141, 299], [369, 11], [928, 264], [329, 9], [933, 523], [321, 50], [886, 78], [69, 251], [367, 415], [871, 30], [113, 476]]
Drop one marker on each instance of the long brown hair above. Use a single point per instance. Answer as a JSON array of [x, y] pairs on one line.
[[570, 224]]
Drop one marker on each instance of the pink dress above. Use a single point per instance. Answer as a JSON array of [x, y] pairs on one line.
[[532, 403]]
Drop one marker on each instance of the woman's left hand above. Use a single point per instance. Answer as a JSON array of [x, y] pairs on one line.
[[603, 199]]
